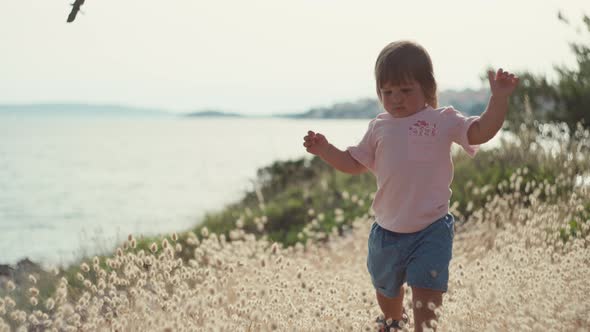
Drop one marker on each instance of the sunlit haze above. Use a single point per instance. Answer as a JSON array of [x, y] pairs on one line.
[[262, 57]]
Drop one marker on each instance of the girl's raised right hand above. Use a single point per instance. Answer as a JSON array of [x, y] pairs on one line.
[[315, 143]]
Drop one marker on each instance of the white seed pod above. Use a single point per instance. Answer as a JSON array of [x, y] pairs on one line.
[[85, 268], [169, 252], [34, 301], [33, 320], [438, 312], [49, 304], [9, 302], [154, 247], [10, 286], [431, 306], [433, 323], [33, 291]]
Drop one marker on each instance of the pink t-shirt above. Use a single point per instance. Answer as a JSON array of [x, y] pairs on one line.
[[411, 159]]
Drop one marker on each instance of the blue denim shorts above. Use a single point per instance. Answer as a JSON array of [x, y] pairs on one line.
[[421, 259]]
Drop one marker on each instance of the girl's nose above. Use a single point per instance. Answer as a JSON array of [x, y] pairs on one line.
[[397, 96]]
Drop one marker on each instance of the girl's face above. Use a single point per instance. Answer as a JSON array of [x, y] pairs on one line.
[[402, 100]]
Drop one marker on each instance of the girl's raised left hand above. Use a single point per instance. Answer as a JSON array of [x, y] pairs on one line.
[[502, 83]]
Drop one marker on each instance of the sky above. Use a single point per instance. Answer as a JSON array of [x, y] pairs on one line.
[[262, 57]]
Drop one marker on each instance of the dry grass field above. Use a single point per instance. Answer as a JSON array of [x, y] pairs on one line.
[[511, 271]]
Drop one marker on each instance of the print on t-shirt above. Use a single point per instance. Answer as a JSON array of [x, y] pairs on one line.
[[422, 141], [423, 128]]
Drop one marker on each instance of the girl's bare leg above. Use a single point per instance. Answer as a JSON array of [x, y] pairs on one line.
[[392, 307], [422, 314]]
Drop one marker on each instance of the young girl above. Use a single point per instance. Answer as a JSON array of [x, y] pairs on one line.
[[408, 149]]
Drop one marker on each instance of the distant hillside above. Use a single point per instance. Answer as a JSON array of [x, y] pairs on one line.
[[468, 101], [78, 110], [213, 114], [364, 108]]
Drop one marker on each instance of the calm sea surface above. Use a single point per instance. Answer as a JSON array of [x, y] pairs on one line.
[[74, 186]]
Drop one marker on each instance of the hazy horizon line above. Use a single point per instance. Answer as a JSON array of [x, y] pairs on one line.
[[195, 110]]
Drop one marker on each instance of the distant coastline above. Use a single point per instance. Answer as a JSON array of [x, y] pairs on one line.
[[78, 109], [214, 114], [468, 101]]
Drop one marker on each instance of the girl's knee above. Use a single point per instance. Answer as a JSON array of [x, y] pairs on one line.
[[400, 294]]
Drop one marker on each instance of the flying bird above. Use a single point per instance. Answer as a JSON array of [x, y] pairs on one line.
[[75, 8]]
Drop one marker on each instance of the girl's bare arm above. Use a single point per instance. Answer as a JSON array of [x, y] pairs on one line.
[[502, 85], [342, 160], [317, 144]]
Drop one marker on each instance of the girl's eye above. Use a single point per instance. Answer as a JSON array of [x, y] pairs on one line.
[[387, 93], [406, 90]]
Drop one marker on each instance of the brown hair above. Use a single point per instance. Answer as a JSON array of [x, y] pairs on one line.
[[403, 61]]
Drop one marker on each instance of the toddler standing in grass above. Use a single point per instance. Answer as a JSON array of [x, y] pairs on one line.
[[408, 149]]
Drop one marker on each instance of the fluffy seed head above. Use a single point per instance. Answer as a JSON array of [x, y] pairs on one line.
[[49, 304], [431, 306], [33, 291], [274, 248]]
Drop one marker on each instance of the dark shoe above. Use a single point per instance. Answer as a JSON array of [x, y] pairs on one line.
[[394, 324]]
